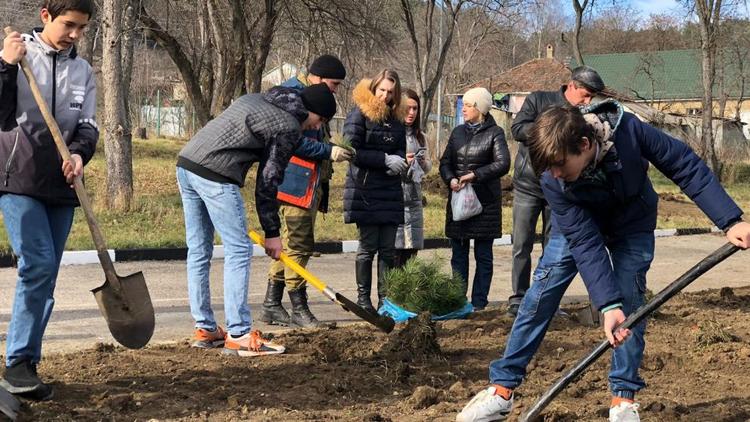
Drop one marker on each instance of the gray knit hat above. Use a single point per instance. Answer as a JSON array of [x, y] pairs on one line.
[[589, 78]]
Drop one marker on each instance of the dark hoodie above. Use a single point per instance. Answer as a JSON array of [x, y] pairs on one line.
[[264, 128]]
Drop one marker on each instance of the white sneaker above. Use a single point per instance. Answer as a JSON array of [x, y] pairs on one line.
[[624, 412], [486, 406]]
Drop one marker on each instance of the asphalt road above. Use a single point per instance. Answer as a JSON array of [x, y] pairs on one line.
[[76, 322]]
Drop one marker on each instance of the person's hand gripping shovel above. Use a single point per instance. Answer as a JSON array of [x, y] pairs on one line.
[[123, 301], [719, 255], [383, 322]]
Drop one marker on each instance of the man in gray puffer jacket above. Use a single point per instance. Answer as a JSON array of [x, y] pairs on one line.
[[211, 169]]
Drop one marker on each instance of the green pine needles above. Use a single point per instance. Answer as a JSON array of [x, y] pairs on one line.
[[421, 286], [345, 143]]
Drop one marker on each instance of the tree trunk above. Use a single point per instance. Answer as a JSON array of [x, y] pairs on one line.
[[257, 57], [117, 137], [126, 50], [709, 21], [579, 8], [422, 64], [190, 77], [87, 46]]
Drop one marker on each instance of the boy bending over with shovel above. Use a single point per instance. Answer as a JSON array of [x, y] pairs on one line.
[[595, 177], [211, 169], [36, 196]]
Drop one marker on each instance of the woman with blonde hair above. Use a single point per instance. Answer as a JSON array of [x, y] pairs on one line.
[[476, 155], [373, 197]]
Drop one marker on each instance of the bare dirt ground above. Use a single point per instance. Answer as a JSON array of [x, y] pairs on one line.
[[697, 367]]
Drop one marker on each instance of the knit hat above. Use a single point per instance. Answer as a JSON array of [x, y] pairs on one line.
[[589, 78], [328, 66], [479, 98], [319, 99]]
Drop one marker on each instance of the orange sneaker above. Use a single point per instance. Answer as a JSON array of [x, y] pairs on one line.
[[251, 344], [205, 339]]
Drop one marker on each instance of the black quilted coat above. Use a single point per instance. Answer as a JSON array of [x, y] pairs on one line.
[[483, 151]]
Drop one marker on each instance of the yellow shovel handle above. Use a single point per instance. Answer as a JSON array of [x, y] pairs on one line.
[[289, 262]]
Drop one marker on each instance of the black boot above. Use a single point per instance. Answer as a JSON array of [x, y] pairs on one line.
[[301, 314], [22, 380], [364, 284], [273, 312]]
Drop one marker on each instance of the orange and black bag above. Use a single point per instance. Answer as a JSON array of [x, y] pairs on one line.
[[298, 187]]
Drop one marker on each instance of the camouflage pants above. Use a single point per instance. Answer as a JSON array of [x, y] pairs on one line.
[[298, 240]]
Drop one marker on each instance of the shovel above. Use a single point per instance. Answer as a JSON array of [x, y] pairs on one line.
[[675, 287], [9, 404], [123, 301], [383, 322]]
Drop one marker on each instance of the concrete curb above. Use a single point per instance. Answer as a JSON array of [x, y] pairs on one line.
[[346, 246]]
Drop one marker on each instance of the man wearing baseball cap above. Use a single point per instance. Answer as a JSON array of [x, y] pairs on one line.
[[303, 193], [528, 200]]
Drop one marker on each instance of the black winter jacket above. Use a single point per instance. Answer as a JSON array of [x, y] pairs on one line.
[[484, 152], [524, 178], [370, 195]]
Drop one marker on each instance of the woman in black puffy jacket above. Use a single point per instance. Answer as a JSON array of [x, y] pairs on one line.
[[373, 197], [476, 154]]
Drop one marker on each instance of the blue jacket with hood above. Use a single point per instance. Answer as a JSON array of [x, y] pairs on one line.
[[595, 211]]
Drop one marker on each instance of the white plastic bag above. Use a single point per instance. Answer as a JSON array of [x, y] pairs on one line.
[[465, 203]]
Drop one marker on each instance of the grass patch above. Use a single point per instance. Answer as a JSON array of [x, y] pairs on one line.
[[156, 219], [712, 332]]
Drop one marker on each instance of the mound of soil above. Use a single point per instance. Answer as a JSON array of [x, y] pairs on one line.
[[696, 371]]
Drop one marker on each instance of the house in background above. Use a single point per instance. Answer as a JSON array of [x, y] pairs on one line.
[[670, 81], [671, 113], [510, 88]]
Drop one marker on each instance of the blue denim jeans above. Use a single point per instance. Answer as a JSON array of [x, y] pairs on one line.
[[210, 206], [483, 272], [631, 258], [37, 234]]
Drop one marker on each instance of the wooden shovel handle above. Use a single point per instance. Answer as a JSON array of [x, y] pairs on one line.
[[62, 148]]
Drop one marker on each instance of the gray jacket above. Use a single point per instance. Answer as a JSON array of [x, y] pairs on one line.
[[29, 161], [410, 235], [264, 128]]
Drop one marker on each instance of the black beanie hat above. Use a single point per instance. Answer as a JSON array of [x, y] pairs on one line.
[[328, 66], [320, 100]]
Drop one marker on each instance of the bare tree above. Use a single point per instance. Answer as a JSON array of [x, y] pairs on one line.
[[709, 17], [236, 36], [736, 55], [649, 65], [88, 43], [427, 66], [117, 136], [579, 8]]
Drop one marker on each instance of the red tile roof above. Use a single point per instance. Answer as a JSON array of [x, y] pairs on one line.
[[534, 75]]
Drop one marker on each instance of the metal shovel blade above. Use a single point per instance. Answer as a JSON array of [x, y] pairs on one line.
[[127, 310], [383, 322], [9, 404]]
